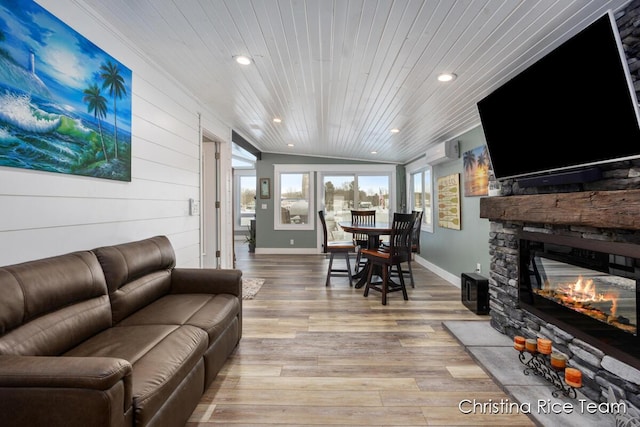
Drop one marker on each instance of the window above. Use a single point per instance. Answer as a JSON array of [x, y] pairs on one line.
[[420, 195], [339, 197], [293, 200], [295, 187], [244, 193]]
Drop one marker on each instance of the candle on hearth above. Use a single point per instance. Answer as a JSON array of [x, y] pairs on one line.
[[558, 361], [531, 345], [518, 343], [573, 377], [544, 345]]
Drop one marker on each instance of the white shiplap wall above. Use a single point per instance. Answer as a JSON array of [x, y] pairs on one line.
[[44, 214]]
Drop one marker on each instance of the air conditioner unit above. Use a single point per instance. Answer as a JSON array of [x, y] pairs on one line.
[[443, 152]]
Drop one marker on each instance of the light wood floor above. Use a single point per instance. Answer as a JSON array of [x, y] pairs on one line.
[[327, 356]]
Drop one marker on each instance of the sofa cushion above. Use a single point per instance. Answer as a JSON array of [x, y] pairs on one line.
[[136, 273], [212, 313], [162, 356], [138, 293], [51, 305]]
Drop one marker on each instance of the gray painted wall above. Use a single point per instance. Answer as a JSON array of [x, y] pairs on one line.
[[266, 236], [458, 251]]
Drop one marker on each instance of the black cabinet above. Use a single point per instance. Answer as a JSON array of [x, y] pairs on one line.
[[475, 292]]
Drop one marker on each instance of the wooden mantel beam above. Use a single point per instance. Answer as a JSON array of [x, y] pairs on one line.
[[618, 209]]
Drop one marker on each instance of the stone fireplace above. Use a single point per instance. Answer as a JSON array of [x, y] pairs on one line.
[[598, 221]]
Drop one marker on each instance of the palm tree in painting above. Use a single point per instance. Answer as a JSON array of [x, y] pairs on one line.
[[96, 104], [483, 159], [112, 80], [469, 160]]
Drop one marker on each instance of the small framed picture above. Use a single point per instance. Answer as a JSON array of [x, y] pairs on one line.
[[265, 188]]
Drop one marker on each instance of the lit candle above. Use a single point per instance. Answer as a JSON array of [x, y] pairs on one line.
[[558, 361], [573, 377], [544, 346], [531, 345]]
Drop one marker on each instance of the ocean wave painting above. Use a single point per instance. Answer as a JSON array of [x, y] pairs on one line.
[[65, 104]]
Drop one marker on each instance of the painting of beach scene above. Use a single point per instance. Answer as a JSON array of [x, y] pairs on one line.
[[477, 171], [65, 104]]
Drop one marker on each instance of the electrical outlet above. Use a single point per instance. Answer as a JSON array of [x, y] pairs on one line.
[[291, 242], [478, 268]]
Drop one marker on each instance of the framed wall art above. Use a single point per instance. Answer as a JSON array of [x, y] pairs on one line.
[[449, 201], [477, 171], [265, 188], [65, 104]]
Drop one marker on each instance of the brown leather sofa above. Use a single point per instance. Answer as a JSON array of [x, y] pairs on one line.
[[115, 336]]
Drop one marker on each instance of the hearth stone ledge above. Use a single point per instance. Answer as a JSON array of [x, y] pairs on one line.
[[600, 371]]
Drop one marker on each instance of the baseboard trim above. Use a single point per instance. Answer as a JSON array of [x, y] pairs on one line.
[[288, 251], [451, 278]]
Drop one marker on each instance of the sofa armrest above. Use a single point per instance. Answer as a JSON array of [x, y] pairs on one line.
[[98, 373], [62, 390], [206, 281]]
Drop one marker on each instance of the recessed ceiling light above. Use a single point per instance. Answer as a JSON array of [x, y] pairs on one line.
[[290, 145], [277, 120], [374, 152], [395, 130], [242, 59], [446, 77]]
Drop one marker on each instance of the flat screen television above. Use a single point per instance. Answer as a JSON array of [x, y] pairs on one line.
[[572, 109]]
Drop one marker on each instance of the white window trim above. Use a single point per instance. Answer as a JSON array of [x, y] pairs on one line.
[[318, 169], [421, 165], [324, 170], [359, 170]]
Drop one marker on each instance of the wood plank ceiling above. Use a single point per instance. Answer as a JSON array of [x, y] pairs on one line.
[[341, 74]]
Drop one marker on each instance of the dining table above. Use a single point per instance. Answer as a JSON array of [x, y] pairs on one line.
[[373, 232]]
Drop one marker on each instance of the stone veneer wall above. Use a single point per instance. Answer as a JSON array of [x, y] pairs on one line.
[[600, 371]]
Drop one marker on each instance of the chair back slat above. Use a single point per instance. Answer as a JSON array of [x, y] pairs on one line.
[[324, 231], [362, 217], [401, 234], [415, 235]]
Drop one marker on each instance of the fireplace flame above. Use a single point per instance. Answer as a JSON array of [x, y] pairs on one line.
[[584, 291], [582, 296]]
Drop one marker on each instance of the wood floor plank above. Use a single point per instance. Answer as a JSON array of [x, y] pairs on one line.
[[327, 383], [316, 355], [319, 415]]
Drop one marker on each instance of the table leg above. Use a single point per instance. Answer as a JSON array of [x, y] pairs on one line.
[[374, 243]]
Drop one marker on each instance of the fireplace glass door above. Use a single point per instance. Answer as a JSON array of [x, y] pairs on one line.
[[608, 298]]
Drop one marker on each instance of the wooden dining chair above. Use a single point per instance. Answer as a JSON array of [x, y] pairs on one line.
[[332, 248], [361, 240], [415, 247], [394, 254]]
